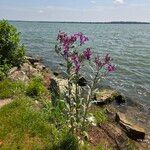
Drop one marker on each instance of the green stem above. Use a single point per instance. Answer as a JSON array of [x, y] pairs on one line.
[[69, 92], [89, 99]]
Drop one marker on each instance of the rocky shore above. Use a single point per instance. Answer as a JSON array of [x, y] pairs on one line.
[[119, 132]]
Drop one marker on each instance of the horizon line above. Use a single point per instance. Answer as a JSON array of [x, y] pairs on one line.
[[96, 22]]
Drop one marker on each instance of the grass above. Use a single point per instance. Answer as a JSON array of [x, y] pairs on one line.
[[99, 114], [36, 88], [21, 127], [10, 88]]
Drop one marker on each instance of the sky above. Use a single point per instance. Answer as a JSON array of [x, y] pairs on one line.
[[75, 10]]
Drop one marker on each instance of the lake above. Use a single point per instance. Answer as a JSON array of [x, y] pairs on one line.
[[128, 44]]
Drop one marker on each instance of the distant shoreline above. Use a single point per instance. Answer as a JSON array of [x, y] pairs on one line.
[[112, 22]]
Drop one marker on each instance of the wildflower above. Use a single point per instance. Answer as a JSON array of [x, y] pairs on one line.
[[61, 36], [87, 54], [98, 62], [111, 68], [76, 62], [82, 38]]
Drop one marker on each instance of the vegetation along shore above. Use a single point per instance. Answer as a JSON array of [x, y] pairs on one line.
[[42, 109]]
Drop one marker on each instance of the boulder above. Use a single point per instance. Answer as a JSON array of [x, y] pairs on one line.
[[133, 131], [12, 70], [39, 66], [107, 96], [28, 69], [19, 75], [32, 60], [104, 96]]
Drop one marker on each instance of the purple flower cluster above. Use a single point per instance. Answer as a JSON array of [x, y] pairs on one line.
[[82, 38], [67, 41], [87, 53], [104, 62], [76, 62]]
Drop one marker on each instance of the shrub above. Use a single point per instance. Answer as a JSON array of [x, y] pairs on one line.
[[11, 51], [3, 71], [35, 88]]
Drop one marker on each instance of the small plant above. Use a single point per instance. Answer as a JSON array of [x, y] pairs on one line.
[[76, 57], [35, 88], [11, 51]]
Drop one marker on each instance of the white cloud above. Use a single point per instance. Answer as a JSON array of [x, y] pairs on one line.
[[119, 1], [93, 1]]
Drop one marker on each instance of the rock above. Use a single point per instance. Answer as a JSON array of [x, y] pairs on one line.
[[12, 70], [39, 66], [62, 83], [82, 81], [104, 96], [19, 75], [133, 131], [32, 60], [28, 69], [47, 79]]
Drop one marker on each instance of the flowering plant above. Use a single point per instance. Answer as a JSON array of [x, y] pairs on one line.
[[69, 47]]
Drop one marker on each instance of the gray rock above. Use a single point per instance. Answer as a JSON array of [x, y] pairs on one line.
[[32, 60], [19, 75], [133, 131], [107, 96], [12, 70], [39, 66]]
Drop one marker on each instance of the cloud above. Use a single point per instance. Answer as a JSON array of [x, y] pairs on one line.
[[93, 1], [119, 1]]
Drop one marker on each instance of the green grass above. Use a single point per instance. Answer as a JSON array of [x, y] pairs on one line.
[[21, 127], [99, 114], [36, 88], [10, 88]]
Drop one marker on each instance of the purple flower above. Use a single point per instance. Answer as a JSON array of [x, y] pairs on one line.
[[98, 62], [61, 36], [76, 62], [82, 38], [66, 50], [87, 53], [111, 68]]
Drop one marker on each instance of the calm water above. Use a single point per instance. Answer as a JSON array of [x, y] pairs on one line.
[[128, 44]]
